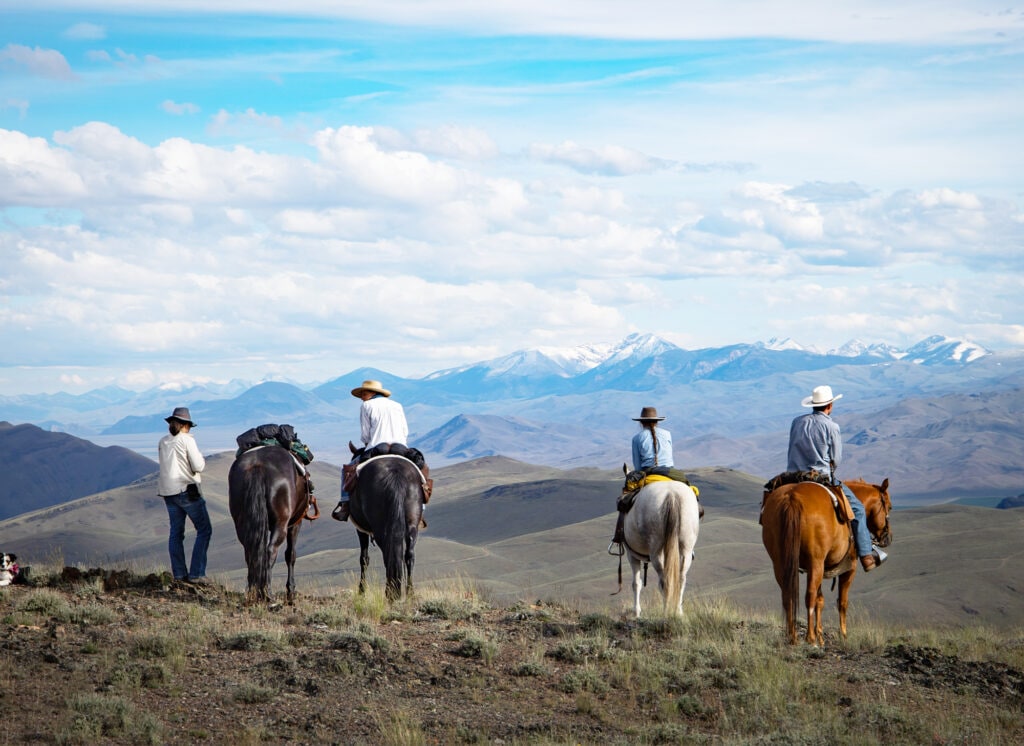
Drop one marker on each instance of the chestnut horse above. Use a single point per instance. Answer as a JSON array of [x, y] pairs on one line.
[[801, 533], [268, 499]]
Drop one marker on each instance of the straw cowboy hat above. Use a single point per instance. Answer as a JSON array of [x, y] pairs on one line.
[[181, 414], [374, 386], [821, 396], [648, 414]]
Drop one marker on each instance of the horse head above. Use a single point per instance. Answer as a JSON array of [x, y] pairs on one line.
[[878, 510]]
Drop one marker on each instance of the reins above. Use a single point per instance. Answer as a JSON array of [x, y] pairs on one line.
[[622, 550]]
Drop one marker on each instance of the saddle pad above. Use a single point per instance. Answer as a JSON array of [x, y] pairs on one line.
[[360, 466]]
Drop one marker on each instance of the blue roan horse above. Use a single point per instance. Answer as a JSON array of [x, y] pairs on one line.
[[268, 499], [388, 505], [661, 528]]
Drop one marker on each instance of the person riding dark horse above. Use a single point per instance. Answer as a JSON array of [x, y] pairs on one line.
[[652, 455], [383, 430]]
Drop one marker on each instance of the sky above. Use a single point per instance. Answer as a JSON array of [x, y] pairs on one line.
[[194, 192]]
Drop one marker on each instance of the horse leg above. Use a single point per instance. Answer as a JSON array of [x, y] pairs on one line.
[[811, 600], [364, 560], [658, 563], [819, 608], [277, 536], [845, 581], [290, 554], [636, 565], [686, 560]]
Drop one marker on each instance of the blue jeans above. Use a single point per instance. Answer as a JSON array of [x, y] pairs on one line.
[[861, 534], [178, 508]]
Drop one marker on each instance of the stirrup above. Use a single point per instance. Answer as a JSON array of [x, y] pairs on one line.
[[616, 552]]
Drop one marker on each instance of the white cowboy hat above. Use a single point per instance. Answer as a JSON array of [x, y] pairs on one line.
[[374, 386], [821, 396]]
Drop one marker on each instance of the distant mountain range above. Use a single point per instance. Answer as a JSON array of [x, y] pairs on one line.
[[943, 411]]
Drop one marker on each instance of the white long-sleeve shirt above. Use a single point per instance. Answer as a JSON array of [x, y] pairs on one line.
[[382, 420], [180, 464]]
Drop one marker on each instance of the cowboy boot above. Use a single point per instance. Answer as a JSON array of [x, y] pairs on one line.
[[341, 512]]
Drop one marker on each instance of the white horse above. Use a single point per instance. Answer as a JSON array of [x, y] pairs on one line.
[[661, 528]]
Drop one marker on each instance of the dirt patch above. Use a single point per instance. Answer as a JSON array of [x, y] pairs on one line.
[[933, 669]]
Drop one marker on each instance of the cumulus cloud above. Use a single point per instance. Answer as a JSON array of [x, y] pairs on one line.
[[365, 226], [45, 63]]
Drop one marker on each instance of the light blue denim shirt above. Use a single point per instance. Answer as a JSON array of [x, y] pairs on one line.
[[643, 449], [814, 440]]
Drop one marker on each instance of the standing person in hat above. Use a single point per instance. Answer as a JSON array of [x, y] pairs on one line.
[[381, 420], [178, 484], [816, 444]]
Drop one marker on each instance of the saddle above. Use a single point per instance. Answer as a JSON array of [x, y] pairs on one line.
[[350, 471], [840, 503], [636, 481]]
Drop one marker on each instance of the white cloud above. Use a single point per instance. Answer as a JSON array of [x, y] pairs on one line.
[[608, 160], [172, 107], [403, 175], [45, 63], [18, 104], [187, 242], [85, 31]]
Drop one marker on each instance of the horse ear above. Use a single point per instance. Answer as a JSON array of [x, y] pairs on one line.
[[352, 448], [885, 485], [625, 471]]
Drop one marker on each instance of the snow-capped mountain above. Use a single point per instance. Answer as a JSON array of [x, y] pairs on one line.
[[857, 348], [939, 350]]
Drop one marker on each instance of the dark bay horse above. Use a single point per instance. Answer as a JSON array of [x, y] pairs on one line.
[[388, 505], [268, 499], [800, 530], [661, 528]]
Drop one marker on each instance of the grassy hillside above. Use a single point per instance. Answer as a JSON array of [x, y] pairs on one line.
[[522, 532], [121, 658]]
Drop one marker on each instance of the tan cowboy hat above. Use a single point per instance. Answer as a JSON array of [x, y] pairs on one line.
[[648, 414], [374, 386], [181, 414], [821, 396]]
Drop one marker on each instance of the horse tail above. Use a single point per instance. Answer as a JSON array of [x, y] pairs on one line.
[[254, 527], [672, 534], [393, 539], [789, 546]]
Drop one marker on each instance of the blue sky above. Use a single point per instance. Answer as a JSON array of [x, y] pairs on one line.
[[196, 192]]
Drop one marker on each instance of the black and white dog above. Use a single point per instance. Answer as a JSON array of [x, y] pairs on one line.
[[8, 568]]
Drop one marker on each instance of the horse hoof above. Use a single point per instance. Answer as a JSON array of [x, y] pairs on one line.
[[274, 606]]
